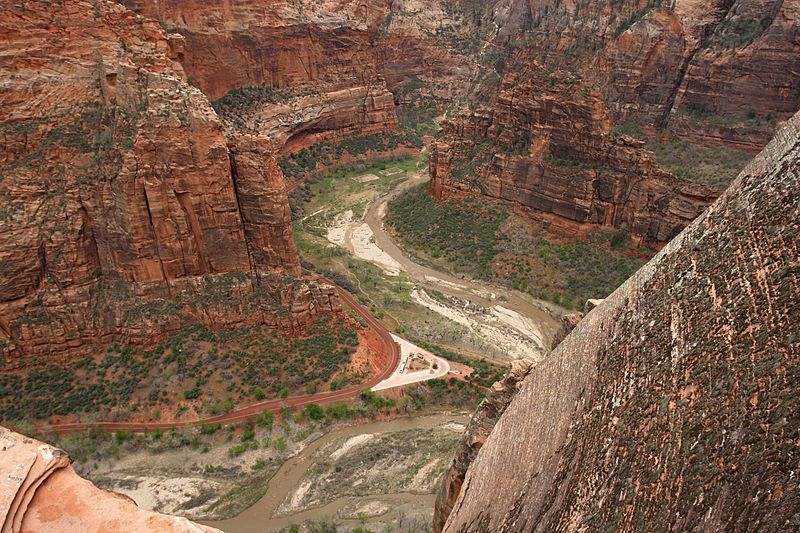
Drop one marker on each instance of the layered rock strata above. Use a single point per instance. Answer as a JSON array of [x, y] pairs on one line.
[[559, 78], [127, 215], [673, 404], [326, 70], [549, 149], [43, 493]]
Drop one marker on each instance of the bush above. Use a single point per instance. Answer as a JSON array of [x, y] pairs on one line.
[[265, 419], [247, 435], [314, 412]]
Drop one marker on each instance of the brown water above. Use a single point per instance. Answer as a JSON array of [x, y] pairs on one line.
[[259, 518]]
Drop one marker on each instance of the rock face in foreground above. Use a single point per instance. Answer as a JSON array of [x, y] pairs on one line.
[[674, 404], [43, 493], [475, 435], [126, 214]]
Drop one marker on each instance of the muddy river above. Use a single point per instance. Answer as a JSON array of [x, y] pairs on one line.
[[262, 516], [518, 325]]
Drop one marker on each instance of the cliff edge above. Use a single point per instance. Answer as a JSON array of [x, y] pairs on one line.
[[41, 492], [673, 406]]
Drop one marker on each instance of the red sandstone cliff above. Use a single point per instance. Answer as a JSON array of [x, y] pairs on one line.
[[711, 72], [673, 405], [547, 148], [332, 67], [124, 207]]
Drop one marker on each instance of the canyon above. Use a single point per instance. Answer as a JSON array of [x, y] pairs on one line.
[[180, 182], [325, 70], [128, 214], [570, 80]]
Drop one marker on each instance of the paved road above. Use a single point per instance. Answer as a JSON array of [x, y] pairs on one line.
[[398, 380], [390, 348]]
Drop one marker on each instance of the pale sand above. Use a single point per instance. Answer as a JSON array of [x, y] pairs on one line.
[[337, 231], [363, 241], [351, 443], [500, 327]]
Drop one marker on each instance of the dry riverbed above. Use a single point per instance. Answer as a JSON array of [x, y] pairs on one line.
[[501, 322], [387, 472]]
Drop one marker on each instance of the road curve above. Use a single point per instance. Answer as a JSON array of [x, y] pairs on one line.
[[390, 348]]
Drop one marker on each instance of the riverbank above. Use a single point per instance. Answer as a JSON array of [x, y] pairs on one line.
[[384, 471], [345, 233]]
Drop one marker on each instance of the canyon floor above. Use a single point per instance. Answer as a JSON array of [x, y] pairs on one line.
[[345, 232], [266, 479]]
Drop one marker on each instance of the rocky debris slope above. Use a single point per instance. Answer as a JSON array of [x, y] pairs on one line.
[[673, 404], [43, 493], [126, 215], [564, 78], [324, 70]]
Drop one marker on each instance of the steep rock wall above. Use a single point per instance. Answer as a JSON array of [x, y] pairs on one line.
[[122, 217], [547, 148], [673, 404], [332, 64], [559, 77]]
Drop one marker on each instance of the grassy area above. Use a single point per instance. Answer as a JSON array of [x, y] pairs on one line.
[[481, 240], [338, 190], [198, 369], [246, 492], [363, 148], [713, 165], [464, 233]]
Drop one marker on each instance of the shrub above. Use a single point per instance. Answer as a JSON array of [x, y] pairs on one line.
[[314, 412]]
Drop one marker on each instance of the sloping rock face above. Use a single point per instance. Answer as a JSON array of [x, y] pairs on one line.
[[43, 493], [722, 72], [330, 68], [125, 214], [673, 404], [478, 430]]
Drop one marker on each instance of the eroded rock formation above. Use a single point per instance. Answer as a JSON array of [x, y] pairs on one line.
[[565, 74], [327, 69], [126, 215], [41, 492], [673, 404], [548, 148]]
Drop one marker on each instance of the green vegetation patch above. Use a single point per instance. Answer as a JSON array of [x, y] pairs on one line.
[[210, 372], [326, 154], [712, 165], [479, 239], [464, 232]]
